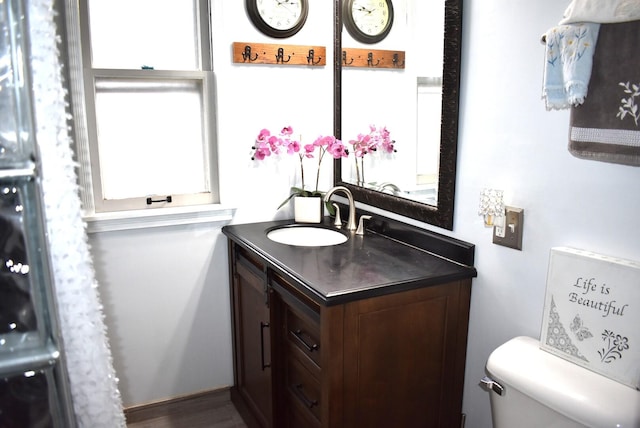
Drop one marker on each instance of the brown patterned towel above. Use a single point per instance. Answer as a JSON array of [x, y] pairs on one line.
[[606, 127]]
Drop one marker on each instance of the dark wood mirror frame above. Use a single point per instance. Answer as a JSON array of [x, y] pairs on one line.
[[442, 214]]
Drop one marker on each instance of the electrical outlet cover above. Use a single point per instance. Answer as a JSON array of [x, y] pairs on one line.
[[513, 225]]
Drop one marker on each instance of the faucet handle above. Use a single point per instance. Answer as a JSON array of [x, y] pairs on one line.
[[360, 230], [338, 221]]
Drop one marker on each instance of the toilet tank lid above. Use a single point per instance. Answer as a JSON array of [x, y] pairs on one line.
[[579, 394]]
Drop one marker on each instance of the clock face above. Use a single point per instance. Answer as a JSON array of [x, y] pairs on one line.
[[370, 16], [280, 14], [368, 21], [278, 18]]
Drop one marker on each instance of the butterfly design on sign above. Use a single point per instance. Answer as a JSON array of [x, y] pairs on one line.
[[578, 328]]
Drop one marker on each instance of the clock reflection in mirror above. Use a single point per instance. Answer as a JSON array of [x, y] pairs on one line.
[[368, 21]]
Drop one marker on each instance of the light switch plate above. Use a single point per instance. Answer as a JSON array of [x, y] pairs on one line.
[[513, 225]]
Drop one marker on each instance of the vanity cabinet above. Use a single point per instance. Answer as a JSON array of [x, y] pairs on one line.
[[386, 359]]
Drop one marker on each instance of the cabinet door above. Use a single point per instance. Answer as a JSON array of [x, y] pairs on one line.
[[252, 340], [404, 358]]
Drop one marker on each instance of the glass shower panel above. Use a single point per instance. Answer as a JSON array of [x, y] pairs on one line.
[[16, 148], [34, 389], [21, 297], [29, 399]]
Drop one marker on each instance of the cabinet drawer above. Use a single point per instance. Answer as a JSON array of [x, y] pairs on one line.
[[298, 417], [303, 390], [303, 335]]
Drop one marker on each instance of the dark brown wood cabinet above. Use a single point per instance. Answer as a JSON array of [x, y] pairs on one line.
[[252, 337], [393, 360]]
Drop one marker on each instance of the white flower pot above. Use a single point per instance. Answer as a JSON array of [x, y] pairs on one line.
[[307, 210]]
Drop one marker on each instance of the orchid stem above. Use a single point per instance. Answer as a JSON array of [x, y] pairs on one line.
[[322, 150], [301, 172]]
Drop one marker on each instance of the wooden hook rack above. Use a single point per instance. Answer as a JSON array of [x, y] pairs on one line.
[[277, 54], [373, 58]]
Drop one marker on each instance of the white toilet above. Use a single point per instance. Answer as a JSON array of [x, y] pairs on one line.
[[531, 388]]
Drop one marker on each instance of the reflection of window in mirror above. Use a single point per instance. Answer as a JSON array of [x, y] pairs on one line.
[[427, 28], [429, 102], [426, 21]]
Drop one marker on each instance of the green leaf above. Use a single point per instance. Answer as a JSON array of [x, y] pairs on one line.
[[291, 196], [330, 208]]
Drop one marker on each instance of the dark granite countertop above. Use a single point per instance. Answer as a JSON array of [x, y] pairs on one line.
[[363, 266]]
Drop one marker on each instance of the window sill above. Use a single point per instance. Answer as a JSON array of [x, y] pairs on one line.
[[158, 217]]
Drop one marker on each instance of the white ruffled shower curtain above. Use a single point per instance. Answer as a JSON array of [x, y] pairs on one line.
[[96, 398]]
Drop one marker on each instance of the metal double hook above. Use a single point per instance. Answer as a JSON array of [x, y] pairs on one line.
[[246, 55], [370, 60], [280, 56], [311, 58], [344, 59], [396, 60]]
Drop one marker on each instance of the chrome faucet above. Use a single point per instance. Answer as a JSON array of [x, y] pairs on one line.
[[351, 222], [395, 190]]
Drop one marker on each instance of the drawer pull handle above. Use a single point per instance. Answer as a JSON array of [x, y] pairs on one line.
[[305, 400], [262, 327], [298, 335]]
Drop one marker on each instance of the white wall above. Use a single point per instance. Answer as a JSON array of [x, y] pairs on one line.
[[166, 292], [166, 304]]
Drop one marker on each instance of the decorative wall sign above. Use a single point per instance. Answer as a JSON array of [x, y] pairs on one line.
[[265, 53], [592, 313]]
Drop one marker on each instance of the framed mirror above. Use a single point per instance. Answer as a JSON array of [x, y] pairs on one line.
[[417, 104]]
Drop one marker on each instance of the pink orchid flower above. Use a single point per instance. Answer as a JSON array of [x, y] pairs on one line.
[[293, 147], [309, 149], [263, 136], [262, 151], [338, 150]]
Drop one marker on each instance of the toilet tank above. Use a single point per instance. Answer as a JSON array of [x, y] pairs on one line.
[[543, 390]]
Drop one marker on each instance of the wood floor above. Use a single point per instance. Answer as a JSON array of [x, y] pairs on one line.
[[211, 409]]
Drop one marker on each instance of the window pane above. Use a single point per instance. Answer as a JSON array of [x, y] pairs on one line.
[[150, 138], [428, 149], [130, 34]]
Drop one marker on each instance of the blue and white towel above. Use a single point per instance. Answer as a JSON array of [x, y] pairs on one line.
[[568, 61]]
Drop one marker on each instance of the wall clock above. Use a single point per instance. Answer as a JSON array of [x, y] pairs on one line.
[[368, 21], [278, 18]]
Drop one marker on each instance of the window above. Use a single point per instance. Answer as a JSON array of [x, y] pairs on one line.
[[144, 114]]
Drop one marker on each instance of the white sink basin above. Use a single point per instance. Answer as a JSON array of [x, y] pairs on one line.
[[306, 236]]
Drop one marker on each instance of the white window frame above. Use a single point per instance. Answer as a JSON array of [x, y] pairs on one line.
[[104, 215]]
